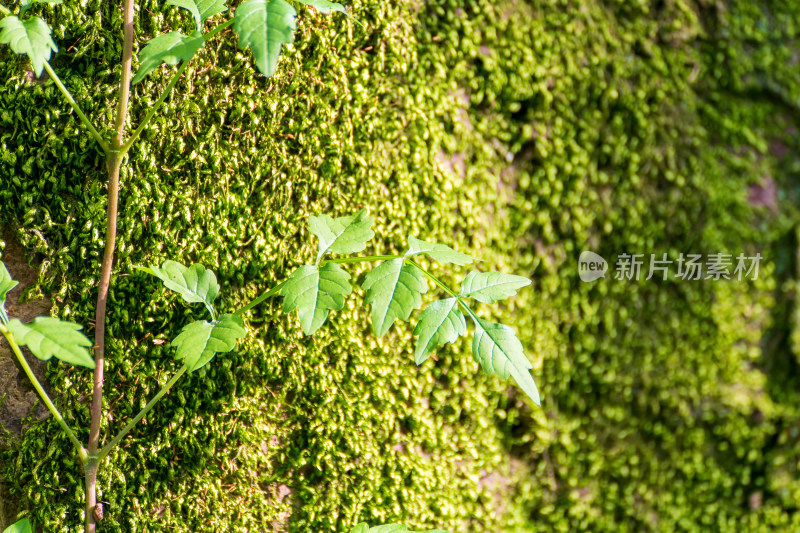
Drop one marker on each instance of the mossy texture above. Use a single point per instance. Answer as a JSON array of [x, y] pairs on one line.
[[521, 132]]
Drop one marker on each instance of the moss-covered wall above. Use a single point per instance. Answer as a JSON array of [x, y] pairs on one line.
[[524, 133]]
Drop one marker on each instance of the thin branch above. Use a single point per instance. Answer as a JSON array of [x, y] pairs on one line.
[[116, 440], [270, 293], [43, 394], [88, 123]]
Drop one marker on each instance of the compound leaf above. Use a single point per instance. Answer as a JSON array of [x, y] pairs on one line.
[[440, 323], [195, 284], [324, 6], [388, 528], [343, 235], [265, 26], [315, 291], [6, 284], [488, 287], [170, 48], [30, 37], [201, 10], [50, 337], [499, 352], [394, 289], [21, 526], [437, 252], [200, 341]]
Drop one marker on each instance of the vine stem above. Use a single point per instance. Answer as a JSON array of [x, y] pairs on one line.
[[445, 288], [119, 436], [113, 164], [43, 394]]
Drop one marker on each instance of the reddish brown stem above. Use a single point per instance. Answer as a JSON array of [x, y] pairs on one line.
[[113, 164]]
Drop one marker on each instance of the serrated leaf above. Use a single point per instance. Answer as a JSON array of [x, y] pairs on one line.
[[6, 284], [26, 4], [324, 6], [440, 323], [48, 337], [343, 235], [201, 10], [265, 26], [170, 48], [315, 291], [437, 252], [196, 284], [388, 528], [394, 289], [21, 526], [499, 352], [200, 341], [488, 287], [30, 37]]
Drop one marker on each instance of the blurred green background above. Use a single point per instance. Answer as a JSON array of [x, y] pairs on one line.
[[521, 132]]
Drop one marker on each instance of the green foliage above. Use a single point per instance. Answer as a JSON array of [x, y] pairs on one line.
[[200, 341], [324, 6], [21, 526], [6, 285], [314, 292], [170, 48], [195, 284], [440, 323], [201, 10], [265, 26], [394, 289], [388, 528], [27, 4], [344, 235], [438, 252], [50, 337], [489, 287], [30, 37], [498, 350]]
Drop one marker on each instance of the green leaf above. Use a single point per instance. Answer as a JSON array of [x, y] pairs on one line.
[[195, 284], [201, 10], [170, 48], [22, 526], [437, 252], [50, 337], [394, 289], [6, 284], [200, 341], [499, 352], [488, 287], [31, 37], [315, 291], [26, 4], [265, 26], [389, 528], [440, 323], [343, 235], [324, 6]]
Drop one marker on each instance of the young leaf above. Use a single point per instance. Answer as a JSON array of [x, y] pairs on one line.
[[440, 323], [324, 6], [170, 48], [343, 235], [488, 287], [201, 10], [315, 291], [265, 26], [50, 337], [389, 528], [6, 284], [195, 284], [21, 526], [437, 252], [499, 352], [200, 341], [30, 37], [26, 4], [394, 289]]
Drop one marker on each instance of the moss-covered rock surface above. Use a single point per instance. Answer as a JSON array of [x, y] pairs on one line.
[[521, 132]]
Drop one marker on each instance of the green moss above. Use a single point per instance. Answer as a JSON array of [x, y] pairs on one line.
[[522, 132]]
